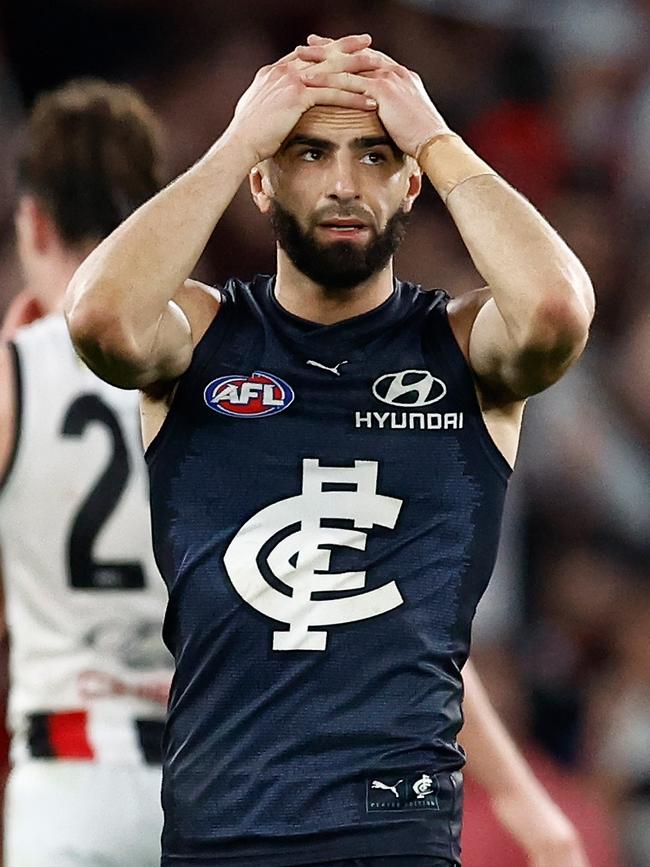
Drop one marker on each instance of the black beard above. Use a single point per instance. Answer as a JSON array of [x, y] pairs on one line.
[[341, 264]]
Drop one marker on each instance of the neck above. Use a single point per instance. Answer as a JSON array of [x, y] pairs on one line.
[[52, 299], [48, 287], [308, 300], [47, 278]]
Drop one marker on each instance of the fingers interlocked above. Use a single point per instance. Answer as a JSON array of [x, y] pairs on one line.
[[331, 66], [342, 72]]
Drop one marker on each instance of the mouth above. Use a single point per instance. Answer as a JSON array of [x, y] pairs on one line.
[[344, 227]]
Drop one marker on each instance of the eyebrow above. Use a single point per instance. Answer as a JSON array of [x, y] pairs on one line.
[[373, 141], [309, 141], [362, 143]]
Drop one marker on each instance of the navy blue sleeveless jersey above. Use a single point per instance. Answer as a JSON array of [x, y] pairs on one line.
[[326, 503]]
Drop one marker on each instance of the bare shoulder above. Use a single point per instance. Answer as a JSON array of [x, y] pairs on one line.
[[199, 304], [8, 406], [24, 309], [502, 417]]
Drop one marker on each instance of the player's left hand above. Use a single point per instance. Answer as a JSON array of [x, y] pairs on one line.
[[404, 106], [542, 830]]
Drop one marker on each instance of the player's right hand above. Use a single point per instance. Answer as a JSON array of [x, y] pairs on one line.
[[277, 97]]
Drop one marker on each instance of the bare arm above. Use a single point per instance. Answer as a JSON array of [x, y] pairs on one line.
[[23, 310], [122, 305], [518, 798], [7, 407], [536, 322]]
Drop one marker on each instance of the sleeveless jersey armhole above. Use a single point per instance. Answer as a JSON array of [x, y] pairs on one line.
[[203, 352], [18, 414], [467, 381]]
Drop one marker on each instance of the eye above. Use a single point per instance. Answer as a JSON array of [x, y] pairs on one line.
[[373, 158], [311, 155]]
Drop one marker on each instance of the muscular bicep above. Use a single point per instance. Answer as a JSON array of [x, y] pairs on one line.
[[513, 369], [159, 355]]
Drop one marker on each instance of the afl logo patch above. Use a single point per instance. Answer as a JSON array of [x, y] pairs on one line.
[[409, 388], [259, 394]]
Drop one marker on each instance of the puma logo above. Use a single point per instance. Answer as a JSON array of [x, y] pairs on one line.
[[335, 370], [377, 784]]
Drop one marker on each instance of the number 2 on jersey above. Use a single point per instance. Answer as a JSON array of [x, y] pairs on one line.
[[84, 571]]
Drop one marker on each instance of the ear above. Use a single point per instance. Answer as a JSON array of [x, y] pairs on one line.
[[34, 226], [414, 184], [261, 187]]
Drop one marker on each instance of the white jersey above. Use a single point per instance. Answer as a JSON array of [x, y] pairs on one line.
[[84, 600]]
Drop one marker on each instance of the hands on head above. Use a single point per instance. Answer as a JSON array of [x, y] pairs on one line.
[[346, 73]]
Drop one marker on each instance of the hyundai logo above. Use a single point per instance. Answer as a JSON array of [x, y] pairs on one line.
[[409, 388]]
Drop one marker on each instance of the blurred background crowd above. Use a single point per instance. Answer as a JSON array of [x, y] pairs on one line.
[[556, 95]]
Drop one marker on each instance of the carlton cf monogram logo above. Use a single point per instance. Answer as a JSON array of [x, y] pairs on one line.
[[300, 561], [423, 786], [409, 388]]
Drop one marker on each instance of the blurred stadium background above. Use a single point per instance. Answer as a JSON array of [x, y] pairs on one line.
[[556, 95]]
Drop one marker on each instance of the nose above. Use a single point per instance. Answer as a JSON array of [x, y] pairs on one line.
[[344, 181]]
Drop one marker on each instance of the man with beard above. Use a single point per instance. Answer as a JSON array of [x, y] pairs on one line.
[[328, 450]]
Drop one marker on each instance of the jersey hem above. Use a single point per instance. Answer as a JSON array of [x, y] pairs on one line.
[[320, 856], [334, 844]]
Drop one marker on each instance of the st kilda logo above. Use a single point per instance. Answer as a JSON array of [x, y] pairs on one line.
[[259, 394]]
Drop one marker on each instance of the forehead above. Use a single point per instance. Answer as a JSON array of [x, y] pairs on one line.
[[338, 124]]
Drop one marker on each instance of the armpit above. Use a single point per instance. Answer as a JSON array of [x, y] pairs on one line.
[[462, 312]]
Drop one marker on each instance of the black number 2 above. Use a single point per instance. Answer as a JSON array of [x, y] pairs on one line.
[[84, 572]]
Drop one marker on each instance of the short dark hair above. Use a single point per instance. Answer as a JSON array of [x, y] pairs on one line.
[[91, 157]]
